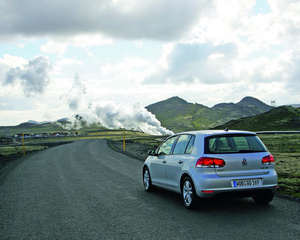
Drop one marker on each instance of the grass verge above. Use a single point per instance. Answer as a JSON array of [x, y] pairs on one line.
[[286, 151]]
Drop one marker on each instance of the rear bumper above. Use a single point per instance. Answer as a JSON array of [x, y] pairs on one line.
[[215, 185], [238, 192]]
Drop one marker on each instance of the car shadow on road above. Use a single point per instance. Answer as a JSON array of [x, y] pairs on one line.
[[224, 205]]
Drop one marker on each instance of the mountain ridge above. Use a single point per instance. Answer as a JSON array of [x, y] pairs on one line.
[[179, 115], [283, 118]]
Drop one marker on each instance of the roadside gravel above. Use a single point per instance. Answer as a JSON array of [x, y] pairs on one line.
[[132, 149]]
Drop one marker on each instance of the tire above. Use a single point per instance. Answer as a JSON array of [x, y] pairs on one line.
[[265, 198], [189, 196], [147, 180]]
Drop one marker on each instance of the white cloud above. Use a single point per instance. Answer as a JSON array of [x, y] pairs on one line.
[[107, 69], [194, 62], [33, 77], [131, 63], [204, 51], [130, 68], [6, 63], [67, 61], [59, 44], [54, 47], [12, 61], [128, 19], [64, 62], [216, 55]]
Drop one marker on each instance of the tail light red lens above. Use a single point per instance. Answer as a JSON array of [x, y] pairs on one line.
[[206, 162], [268, 160]]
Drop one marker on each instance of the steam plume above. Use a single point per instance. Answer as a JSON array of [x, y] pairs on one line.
[[110, 114]]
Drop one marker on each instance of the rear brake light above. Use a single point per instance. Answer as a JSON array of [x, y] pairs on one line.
[[210, 162], [268, 160]]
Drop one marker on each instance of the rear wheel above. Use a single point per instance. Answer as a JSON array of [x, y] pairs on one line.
[[189, 196], [264, 198], [147, 180]]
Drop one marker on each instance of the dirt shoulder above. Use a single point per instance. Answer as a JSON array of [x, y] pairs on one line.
[[132, 149]]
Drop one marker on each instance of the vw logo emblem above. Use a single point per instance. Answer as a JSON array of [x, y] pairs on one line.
[[244, 162]]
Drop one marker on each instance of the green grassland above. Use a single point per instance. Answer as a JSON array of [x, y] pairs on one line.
[[12, 150], [286, 151]]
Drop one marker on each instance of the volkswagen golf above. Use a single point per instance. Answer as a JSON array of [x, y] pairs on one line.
[[212, 163]]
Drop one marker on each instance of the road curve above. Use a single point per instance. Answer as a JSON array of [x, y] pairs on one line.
[[85, 190]]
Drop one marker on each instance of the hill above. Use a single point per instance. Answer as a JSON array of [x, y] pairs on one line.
[[62, 125], [29, 127], [178, 115], [284, 118]]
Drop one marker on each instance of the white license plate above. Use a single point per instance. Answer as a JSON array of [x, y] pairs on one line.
[[246, 183]]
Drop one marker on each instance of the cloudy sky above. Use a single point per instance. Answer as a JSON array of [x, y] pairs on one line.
[[59, 58]]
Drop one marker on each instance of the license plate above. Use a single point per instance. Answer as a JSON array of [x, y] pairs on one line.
[[246, 183]]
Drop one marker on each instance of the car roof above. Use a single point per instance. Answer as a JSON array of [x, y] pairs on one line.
[[217, 132]]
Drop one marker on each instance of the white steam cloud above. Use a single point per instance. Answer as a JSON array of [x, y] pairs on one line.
[[110, 114], [76, 93]]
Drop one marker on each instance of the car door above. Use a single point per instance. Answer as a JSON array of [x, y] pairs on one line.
[[176, 161], [158, 162]]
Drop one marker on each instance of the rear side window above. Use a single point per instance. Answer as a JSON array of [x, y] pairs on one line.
[[166, 147], [184, 144], [190, 146], [233, 144]]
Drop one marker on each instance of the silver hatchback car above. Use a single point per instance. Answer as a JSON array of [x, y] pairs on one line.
[[205, 164]]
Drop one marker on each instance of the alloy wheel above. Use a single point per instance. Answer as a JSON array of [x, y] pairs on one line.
[[146, 179], [187, 193]]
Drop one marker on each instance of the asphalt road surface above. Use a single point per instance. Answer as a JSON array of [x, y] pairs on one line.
[[85, 190]]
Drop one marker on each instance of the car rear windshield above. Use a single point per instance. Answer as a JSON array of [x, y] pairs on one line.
[[241, 143]]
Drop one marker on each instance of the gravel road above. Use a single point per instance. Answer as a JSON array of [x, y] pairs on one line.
[[86, 190]]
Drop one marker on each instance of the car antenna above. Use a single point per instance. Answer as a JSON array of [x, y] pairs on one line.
[[226, 129]]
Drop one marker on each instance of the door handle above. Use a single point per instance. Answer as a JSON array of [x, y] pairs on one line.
[[164, 161], [180, 161]]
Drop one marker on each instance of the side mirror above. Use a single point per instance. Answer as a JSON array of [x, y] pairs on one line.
[[151, 152]]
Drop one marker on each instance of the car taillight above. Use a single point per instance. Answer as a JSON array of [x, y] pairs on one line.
[[210, 162], [268, 160]]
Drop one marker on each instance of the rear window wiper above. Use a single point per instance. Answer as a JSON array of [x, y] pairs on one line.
[[249, 151]]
